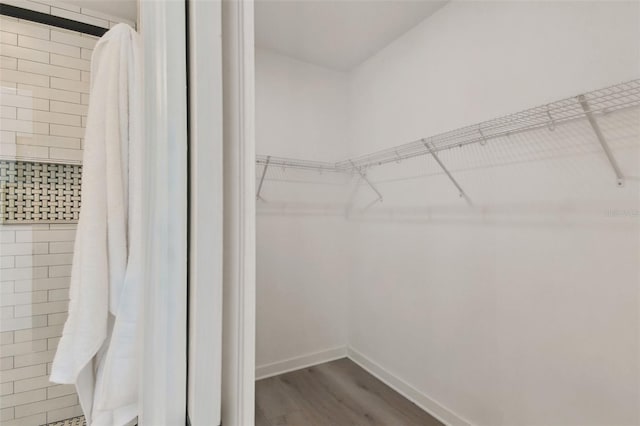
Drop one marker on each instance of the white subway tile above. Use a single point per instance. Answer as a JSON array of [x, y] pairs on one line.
[[54, 226], [8, 112], [6, 363], [6, 389], [49, 141], [66, 131], [86, 53], [50, 70], [48, 117], [25, 385], [64, 413], [68, 108], [48, 46], [23, 373], [60, 390], [100, 15], [65, 154], [21, 52], [7, 237], [47, 93], [61, 247], [7, 137], [40, 309], [26, 4], [24, 77], [6, 312], [71, 63], [8, 38], [52, 343], [25, 102], [34, 420], [85, 99], [8, 63], [24, 151], [59, 318], [26, 227], [73, 39], [60, 4], [60, 271], [6, 287], [33, 358], [7, 262], [7, 88], [41, 284], [45, 236], [6, 337], [23, 273], [60, 294], [23, 396], [25, 28], [80, 17], [12, 299], [74, 86], [24, 126], [23, 348], [16, 249], [38, 333], [23, 323]]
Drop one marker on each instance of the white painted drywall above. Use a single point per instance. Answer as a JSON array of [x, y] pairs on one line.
[[302, 260], [526, 313]]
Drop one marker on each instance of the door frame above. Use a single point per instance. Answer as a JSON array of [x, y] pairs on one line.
[[204, 22], [239, 310]]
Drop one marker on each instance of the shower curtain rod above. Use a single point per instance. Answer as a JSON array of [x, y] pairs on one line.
[[54, 21]]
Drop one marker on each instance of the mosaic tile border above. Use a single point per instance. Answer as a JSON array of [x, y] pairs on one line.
[[74, 421], [38, 192]]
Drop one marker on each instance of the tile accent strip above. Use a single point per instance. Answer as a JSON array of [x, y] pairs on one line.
[[75, 421], [32, 192]]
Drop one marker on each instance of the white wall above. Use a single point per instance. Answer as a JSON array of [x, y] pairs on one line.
[[525, 314], [302, 259]]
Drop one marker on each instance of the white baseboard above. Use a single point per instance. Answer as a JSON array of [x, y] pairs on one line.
[[303, 361], [429, 405]]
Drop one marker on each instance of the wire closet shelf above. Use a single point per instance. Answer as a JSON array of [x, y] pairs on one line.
[[589, 105]]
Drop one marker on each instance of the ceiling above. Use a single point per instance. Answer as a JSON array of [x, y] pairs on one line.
[[338, 34], [127, 9]]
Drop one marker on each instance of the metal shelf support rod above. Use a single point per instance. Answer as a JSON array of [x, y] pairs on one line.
[[446, 171], [603, 142], [264, 173], [364, 178]]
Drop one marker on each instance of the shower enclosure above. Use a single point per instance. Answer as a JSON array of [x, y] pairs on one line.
[[44, 75]]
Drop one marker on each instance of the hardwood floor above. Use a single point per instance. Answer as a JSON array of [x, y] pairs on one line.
[[338, 393]]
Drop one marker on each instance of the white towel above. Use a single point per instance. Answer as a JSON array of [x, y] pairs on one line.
[[98, 348]]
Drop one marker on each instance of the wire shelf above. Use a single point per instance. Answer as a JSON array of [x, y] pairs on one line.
[[602, 101]]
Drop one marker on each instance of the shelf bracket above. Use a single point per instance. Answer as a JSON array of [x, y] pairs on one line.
[[603, 142], [363, 176], [264, 173], [444, 169]]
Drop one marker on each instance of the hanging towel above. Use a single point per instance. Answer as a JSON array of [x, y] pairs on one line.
[[98, 348]]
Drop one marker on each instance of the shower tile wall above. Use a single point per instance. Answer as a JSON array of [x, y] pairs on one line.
[[44, 79]]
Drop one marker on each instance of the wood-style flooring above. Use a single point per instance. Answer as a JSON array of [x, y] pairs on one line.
[[337, 393]]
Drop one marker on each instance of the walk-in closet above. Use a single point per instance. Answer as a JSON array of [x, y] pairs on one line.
[[447, 213]]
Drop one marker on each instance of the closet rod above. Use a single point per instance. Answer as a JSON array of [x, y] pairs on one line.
[[52, 20]]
